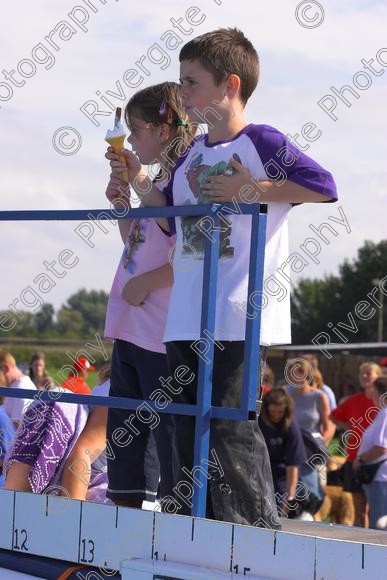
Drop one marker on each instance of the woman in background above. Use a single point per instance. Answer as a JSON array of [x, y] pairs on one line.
[[7, 431], [284, 443], [38, 374], [312, 412]]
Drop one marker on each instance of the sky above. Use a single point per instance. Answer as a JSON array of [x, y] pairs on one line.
[[67, 52]]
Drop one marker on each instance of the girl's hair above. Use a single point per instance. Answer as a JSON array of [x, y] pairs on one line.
[[371, 365], [36, 356], [104, 373], [278, 396], [268, 376], [381, 385], [160, 104], [318, 380]]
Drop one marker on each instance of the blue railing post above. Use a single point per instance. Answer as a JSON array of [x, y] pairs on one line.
[[205, 370], [253, 312]]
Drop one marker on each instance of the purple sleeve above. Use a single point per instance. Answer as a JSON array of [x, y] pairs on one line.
[[42, 442], [276, 151]]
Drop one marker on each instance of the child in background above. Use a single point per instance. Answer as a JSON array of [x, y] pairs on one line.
[[235, 162], [7, 431], [137, 308]]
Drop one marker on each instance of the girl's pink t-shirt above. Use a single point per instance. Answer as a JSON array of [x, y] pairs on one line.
[[146, 249]]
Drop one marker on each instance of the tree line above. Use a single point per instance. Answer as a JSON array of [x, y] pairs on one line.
[[315, 304]]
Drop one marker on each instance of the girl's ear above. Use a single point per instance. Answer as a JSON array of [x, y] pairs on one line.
[[165, 133]]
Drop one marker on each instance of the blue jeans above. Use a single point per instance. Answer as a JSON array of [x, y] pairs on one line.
[[376, 493], [311, 480]]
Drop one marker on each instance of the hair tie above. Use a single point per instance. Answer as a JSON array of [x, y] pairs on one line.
[[182, 123], [163, 108], [166, 109]]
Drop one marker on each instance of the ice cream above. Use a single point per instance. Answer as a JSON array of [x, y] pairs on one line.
[[116, 139]]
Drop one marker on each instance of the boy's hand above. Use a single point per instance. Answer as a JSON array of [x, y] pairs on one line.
[[223, 188], [130, 163], [135, 291]]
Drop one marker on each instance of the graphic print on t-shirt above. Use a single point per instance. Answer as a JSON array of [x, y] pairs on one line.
[[136, 236], [193, 238]]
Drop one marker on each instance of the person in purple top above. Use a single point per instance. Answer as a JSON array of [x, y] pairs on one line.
[[45, 438], [234, 162]]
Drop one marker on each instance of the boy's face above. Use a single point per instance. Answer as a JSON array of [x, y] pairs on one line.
[[199, 91]]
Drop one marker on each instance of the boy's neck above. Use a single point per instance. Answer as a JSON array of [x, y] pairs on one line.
[[226, 129]]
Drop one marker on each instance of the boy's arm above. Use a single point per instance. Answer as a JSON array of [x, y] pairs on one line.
[[277, 171], [243, 187]]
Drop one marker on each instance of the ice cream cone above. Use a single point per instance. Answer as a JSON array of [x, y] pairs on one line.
[[116, 139]]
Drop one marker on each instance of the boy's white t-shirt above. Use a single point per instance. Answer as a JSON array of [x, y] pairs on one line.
[[15, 408], [266, 153]]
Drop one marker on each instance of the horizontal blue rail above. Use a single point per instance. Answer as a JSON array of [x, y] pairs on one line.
[[108, 214], [65, 396]]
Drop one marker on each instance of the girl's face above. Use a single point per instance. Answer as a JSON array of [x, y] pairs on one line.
[[38, 367], [367, 376], [145, 140], [299, 377], [276, 413]]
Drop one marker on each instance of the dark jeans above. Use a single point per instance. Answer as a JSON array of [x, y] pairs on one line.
[[244, 493], [141, 449]]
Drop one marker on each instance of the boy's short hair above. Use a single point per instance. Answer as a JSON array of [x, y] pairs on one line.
[[223, 52]]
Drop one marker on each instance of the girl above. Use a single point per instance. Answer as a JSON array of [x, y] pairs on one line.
[[312, 412], [138, 303], [38, 373], [284, 443]]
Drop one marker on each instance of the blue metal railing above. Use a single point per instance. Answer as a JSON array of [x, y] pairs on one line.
[[203, 411]]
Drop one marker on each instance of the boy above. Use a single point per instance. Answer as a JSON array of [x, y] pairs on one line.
[[14, 407], [234, 162]]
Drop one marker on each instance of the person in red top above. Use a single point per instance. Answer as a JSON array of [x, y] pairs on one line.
[[75, 382], [353, 415]]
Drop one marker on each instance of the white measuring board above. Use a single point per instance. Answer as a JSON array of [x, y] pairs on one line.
[[110, 534], [156, 570], [145, 542], [350, 560]]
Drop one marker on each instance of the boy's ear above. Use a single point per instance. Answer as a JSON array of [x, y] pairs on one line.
[[233, 85]]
